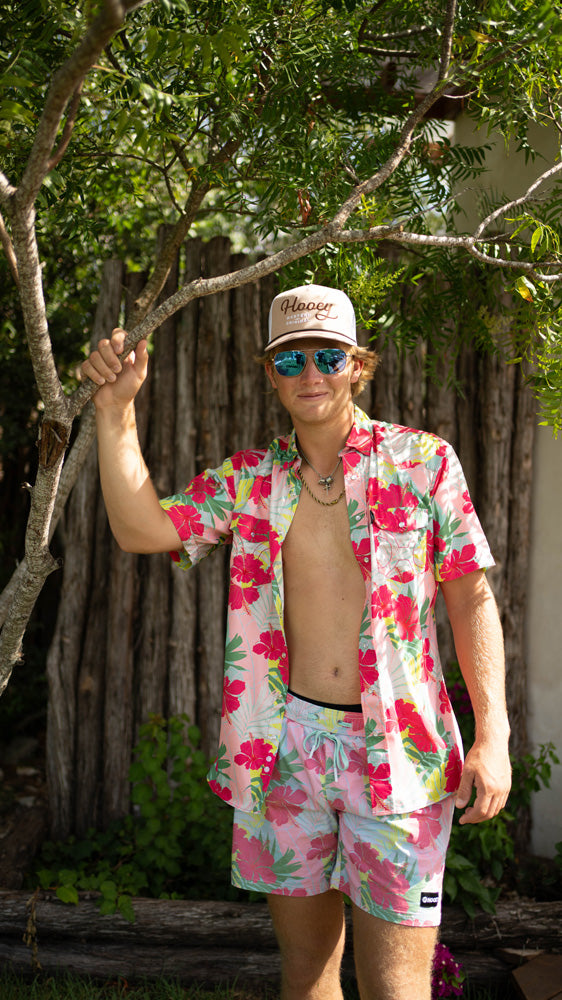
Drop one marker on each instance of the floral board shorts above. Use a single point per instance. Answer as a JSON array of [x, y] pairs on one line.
[[317, 830]]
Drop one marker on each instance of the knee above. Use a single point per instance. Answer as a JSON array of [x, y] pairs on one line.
[[304, 968]]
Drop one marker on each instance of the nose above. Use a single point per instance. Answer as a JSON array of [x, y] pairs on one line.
[[310, 371]]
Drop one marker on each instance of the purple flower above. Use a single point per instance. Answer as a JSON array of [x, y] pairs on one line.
[[448, 975]]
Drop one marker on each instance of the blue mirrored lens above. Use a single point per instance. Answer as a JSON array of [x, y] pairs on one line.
[[328, 360], [289, 363]]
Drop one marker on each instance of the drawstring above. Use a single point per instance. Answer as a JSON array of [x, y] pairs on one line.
[[340, 758]]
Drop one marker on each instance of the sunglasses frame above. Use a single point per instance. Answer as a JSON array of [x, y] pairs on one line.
[[311, 353]]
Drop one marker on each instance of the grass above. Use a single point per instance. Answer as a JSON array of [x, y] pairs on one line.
[[67, 987]]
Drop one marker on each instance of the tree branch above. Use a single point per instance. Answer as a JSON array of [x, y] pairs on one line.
[[447, 40], [517, 201], [67, 131], [65, 83], [9, 251]]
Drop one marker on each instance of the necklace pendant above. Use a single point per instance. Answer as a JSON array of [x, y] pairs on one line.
[[327, 482]]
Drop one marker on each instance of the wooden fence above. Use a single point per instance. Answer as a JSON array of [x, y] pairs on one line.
[[134, 636]]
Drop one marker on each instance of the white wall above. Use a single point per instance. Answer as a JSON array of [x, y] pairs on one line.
[[510, 176], [544, 632]]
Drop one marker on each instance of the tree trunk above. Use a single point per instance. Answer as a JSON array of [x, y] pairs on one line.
[[216, 942]]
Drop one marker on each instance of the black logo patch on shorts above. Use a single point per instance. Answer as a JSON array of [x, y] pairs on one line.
[[429, 899]]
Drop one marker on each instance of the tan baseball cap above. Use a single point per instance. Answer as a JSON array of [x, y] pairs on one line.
[[311, 311]]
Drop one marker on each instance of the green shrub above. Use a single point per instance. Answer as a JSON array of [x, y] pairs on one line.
[[479, 853], [175, 844]]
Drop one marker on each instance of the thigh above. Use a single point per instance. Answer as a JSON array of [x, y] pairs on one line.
[[393, 961]]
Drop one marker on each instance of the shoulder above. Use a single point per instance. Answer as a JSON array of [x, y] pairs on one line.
[[407, 444]]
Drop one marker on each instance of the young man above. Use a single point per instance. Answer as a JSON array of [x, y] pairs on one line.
[[339, 750]]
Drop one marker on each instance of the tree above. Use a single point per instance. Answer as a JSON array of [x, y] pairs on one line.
[[312, 124]]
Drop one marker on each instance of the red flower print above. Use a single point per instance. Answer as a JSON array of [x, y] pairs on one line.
[[428, 828], [201, 488], [459, 563], [363, 555], [187, 521], [403, 576], [388, 887], [407, 618], [256, 862], [427, 663], [322, 847], [444, 701], [410, 721], [368, 667], [223, 793], [230, 700], [282, 803], [382, 602], [357, 761], [253, 529], [467, 505], [254, 753], [247, 459], [261, 490], [381, 786], [351, 460], [396, 495], [249, 574], [453, 771], [364, 856], [271, 645]]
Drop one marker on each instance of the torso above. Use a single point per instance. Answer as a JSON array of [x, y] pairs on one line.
[[324, 599]]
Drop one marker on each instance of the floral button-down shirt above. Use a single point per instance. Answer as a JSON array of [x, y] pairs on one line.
[[412, 525]]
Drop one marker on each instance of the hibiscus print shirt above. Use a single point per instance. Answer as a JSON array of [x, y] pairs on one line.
[[412, 525]]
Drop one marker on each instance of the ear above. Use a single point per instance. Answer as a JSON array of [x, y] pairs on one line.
[[357, 369], [269, 370]]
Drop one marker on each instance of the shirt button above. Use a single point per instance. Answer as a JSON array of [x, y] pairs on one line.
[[269, 758], [267, 769]]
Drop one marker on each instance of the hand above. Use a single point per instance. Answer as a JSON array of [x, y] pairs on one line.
[[119, 380], [488, 770]]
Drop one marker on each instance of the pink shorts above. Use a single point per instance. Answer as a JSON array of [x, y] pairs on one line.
[[318, 831]]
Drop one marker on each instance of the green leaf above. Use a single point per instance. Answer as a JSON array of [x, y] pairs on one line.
[[67, 894]]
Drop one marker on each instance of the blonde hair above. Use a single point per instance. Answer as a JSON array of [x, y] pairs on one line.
[[369, 358]]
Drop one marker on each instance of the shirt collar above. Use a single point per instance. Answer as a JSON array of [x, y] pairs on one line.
[[360, 438]]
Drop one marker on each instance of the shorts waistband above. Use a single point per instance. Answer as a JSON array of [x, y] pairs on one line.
[[324, 717]]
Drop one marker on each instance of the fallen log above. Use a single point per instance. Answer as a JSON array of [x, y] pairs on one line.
[[218, 942]]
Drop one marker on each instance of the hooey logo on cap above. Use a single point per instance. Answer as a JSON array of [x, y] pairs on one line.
[[311, 311]]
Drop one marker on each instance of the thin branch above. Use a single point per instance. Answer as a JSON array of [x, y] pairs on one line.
[[447, 40], [9, 251], [7, 191], [388, 36], [517, 201], [514, 265], [68, 129], [387, 53]]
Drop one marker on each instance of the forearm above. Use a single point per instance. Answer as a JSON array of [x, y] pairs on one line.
[[136, 518], [479, 646]]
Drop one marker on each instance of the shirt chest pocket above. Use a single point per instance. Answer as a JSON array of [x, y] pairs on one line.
[[399, 541]]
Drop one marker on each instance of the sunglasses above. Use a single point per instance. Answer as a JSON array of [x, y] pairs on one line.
[[328, 360]]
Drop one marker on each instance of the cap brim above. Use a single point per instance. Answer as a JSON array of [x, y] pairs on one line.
[[286, 338]]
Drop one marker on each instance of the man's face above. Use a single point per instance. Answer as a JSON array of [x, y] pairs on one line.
[[313, 397]]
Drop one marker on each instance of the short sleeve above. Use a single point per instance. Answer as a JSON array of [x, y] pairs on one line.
[[460, 545], [202, 514]]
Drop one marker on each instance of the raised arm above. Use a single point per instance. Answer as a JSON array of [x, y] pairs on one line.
[[136, 518], [478, 639]]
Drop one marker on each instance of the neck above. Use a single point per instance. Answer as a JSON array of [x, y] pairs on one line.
[[321, 443]]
